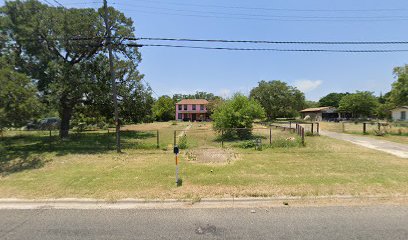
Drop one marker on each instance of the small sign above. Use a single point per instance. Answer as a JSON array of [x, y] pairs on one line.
[[175, 149]]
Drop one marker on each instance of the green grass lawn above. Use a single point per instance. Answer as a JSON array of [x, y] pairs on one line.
[[86, 167], [393, 133]]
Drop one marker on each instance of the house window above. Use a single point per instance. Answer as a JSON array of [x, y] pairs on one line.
[[194, 107], [180, 116], [185, 107], [403, 115], [202, 107], [179, 107]]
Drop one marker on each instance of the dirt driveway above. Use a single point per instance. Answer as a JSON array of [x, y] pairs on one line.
[[397, 149]]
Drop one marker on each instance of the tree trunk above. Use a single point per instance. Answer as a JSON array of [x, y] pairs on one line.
[[65, 115]]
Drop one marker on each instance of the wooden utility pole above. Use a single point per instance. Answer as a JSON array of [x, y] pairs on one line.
[[112, 73]]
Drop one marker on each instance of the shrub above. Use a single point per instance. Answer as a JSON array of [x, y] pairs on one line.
[[238, 112], [183, 142]]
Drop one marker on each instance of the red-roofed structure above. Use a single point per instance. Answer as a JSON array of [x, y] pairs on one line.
[[192, 110]]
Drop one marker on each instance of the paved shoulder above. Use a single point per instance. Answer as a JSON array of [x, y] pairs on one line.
[[397, 149]]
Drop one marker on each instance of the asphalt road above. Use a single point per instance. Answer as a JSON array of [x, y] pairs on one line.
[[379, 222]]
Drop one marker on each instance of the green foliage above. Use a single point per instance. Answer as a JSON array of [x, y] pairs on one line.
[[18, 100], [238, 112], [70, 73], [399, 92], [164, 109], [332, 99], [182, 142], [198, 95], [278, 99], [311, 104], [359, 104]]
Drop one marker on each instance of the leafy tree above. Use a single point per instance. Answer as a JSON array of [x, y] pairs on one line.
[[399, 91], [359, 104], [18, 99], [57, 45], [238, 112], [278, 99], [213, 104], [197, 95], [332, 99], [311, 104], [164, 108]]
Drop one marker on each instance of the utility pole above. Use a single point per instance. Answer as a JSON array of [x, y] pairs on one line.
[[112, 73]]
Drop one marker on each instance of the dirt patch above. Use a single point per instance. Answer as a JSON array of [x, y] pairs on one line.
[[211, 155]]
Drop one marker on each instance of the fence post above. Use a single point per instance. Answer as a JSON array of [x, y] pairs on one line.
[[175, 136], [158, 139], [222, 138], [270, 136], [318, 128], [312, 129], [290, 124], [364, 128], [303, 136]]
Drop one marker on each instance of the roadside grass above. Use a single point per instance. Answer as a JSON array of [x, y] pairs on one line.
[[393, 134], [323, 167]]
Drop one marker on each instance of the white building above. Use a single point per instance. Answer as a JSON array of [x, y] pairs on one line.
[[400, 113]]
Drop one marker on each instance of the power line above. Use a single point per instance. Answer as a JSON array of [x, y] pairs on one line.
[[271, 19], [272, 49], [273, 42], [271, 16], [59, 3], [275, 9], [49, 3]]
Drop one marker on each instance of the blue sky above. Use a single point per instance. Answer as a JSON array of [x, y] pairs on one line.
[[172, 70]]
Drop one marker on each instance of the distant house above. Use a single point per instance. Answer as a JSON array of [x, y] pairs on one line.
[[192, 110], [400, 113], [320, 114]]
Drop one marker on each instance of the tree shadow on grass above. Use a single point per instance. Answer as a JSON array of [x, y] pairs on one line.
[[25, 151]]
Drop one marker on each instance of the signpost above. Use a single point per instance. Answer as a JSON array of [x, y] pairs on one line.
[[176, 152]]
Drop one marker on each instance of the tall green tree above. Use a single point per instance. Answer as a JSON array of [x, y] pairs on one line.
[[399, 92], [278, 99], [331, 99], [56, 45], [164, 109], [359, 104], [19, 102], [237, 112]]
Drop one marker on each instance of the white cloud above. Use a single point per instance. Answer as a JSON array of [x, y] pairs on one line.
[[307, 85]]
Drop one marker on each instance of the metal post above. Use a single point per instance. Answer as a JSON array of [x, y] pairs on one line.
[[270, 136], [112, 76], [177, 169], [158, 139]]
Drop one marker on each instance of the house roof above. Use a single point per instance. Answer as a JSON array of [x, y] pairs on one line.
[[193, 101], [319, 109], [400, 107]]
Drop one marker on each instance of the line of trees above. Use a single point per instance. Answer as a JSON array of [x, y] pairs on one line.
[[47, 71]]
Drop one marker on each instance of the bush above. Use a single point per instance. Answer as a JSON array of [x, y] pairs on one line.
[[183, 142], [238, 112]]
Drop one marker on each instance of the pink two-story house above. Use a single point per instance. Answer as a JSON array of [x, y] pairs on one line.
[[192, 110]]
